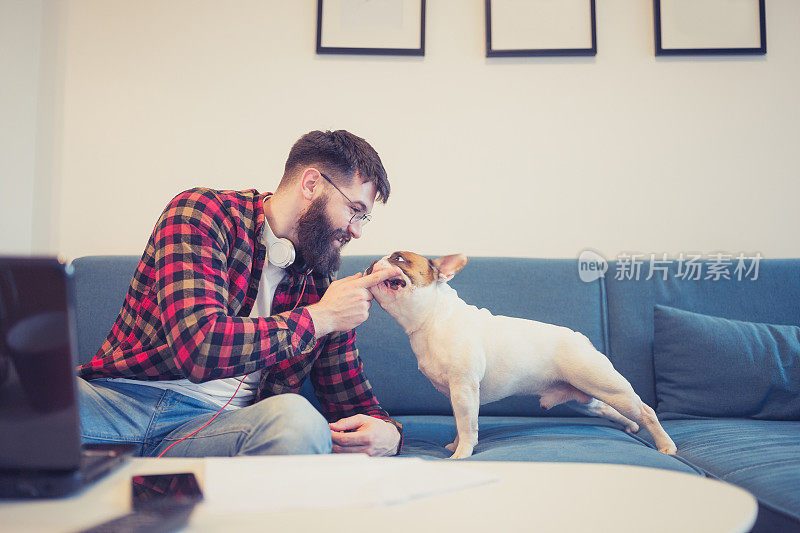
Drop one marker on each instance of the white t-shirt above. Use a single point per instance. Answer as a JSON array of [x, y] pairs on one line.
[[219, 391]]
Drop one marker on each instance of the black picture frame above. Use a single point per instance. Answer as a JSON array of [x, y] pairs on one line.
[[721, 50], [371, 50], [542, 52]]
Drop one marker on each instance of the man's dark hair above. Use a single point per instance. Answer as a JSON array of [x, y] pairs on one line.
[[339, 153]]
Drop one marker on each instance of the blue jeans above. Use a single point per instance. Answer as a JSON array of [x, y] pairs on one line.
[[153, 419]]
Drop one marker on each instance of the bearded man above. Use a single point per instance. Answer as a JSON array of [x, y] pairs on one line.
[[234, 305]]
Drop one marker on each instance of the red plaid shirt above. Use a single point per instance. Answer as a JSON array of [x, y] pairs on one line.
[[186, 314]]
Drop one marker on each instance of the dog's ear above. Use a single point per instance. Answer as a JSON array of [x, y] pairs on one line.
[[449, 265]]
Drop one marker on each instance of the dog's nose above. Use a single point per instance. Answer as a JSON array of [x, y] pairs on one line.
[[369, 268]]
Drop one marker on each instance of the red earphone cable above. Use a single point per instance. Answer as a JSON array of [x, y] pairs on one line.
[[235, 392]]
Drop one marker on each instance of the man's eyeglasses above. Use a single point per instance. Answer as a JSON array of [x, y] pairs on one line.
[[359, 215]]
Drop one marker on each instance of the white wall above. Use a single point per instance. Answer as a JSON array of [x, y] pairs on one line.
[[20, 33], [523, 157]]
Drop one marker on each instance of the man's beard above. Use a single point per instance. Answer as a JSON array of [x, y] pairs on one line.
[[316, 236]]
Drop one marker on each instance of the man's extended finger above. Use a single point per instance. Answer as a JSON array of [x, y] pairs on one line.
[[351, 277], [379, 277]]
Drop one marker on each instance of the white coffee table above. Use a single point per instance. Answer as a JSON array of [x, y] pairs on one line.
[[537, 497]]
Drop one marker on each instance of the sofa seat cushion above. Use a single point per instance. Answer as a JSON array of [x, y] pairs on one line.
[[545, 439], [758, 455]]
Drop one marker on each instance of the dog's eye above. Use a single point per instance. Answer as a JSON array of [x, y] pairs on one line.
[[400, 258]]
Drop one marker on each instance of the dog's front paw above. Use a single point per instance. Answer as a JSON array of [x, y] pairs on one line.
[[633, 427], [462, 452], [669, 449]]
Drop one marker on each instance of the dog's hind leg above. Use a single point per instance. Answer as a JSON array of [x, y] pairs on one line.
[[561, 392], [564, 393], [591, 372], [601, 409]]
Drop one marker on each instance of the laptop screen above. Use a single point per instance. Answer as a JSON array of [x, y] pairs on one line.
[[39, 426]]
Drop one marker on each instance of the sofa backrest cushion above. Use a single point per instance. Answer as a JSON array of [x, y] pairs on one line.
[[772, 297], [101, 283], [548, 290], [707, 366]]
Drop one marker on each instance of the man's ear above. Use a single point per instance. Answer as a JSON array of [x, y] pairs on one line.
[[309, 180], [449, 265]]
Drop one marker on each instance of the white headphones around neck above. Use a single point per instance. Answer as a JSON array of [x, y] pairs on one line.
[[280, 251]]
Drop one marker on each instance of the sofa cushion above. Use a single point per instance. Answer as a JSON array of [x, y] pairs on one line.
[[548, 290], [550, 439], [760, 456], [771, 298], [707, 366]]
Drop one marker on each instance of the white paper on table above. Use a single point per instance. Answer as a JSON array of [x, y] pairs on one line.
[[281, 483]]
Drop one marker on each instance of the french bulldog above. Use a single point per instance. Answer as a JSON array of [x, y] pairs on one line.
[[474, 357]]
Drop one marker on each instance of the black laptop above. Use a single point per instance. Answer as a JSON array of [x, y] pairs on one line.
[[40, 446]]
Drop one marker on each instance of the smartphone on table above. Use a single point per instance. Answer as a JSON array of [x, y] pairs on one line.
[[160, 503]]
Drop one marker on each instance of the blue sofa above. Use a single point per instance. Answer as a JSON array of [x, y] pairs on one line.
[[758, 454]]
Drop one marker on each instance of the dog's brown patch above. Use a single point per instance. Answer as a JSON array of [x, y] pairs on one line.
[[419, 269]]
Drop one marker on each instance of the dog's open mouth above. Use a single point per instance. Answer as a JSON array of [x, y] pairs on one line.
[[395, 283]]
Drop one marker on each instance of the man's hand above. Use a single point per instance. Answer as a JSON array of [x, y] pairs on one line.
[[364, 434], [346, 302]]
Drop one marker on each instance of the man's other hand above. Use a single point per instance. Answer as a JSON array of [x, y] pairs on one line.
[[364, 434], [346, 302]]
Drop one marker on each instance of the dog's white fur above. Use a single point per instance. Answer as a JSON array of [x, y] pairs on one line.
[[475, 357]]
